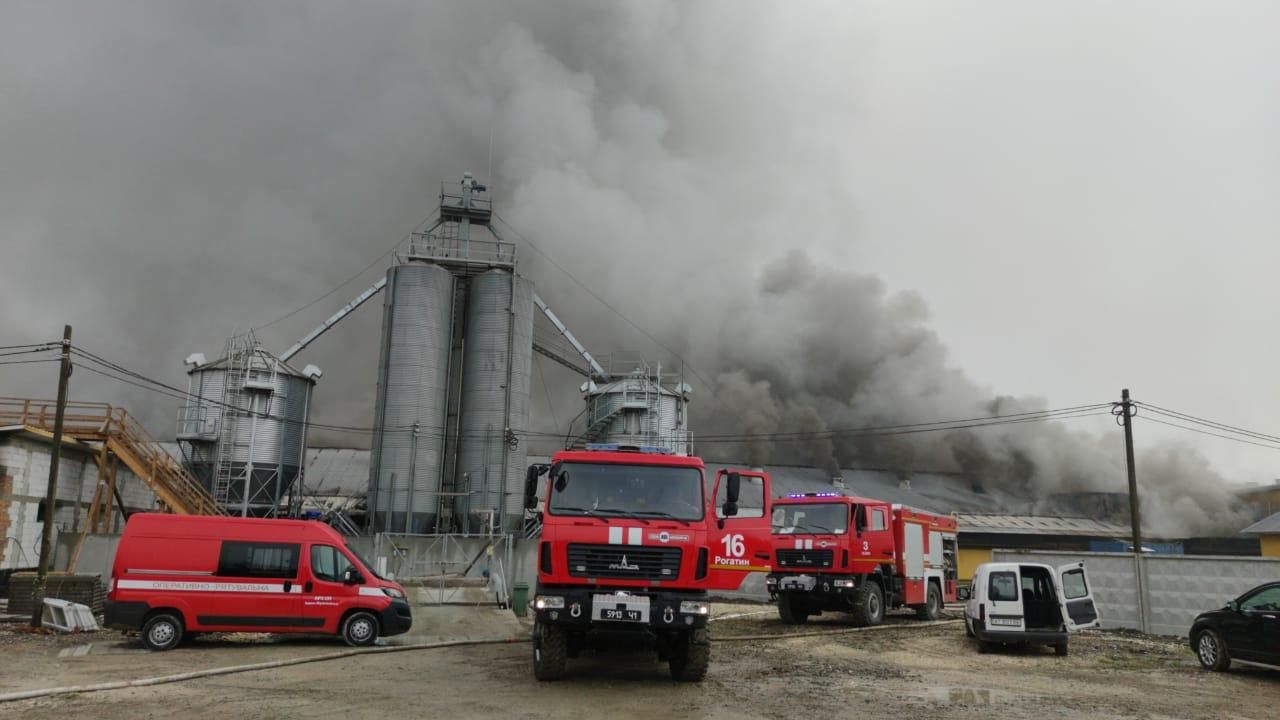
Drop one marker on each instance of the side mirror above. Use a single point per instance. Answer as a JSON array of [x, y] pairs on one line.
[[729, 509], [732, 489], [531, 486], [1234, 606], [962, 593], [352, 577], [562, 479]]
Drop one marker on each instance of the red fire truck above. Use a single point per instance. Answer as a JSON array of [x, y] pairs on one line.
[[861, 556], [631, 543]]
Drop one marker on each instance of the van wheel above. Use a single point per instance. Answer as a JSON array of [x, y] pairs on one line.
[[1212, 652], [360, 629], [550, 647], [1060, 649], [868, 605], [932, 607], [790, 611], [162, 631], [691, 655]]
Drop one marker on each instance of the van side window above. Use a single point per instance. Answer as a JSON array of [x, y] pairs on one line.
[[1003, 586], [877, 519], [255, 559], [327, 563]]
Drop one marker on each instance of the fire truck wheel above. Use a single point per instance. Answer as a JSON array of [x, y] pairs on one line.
[[162, 631], [550, 650], [790, 610], [690, 656], [932, 607], [360, 629], [868, 605]]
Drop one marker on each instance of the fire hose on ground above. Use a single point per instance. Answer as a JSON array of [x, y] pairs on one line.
[[286, 662]]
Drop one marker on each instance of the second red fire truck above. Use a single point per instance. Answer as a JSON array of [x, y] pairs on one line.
[[860, 556]]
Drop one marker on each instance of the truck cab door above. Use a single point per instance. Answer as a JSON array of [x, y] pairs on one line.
[[741, 541], [1075, 595]]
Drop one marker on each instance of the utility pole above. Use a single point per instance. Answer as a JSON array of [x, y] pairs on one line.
[[1126, 413], [51, 492]]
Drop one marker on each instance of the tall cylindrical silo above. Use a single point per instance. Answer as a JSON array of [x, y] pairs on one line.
[[496, 371], [410, 410]]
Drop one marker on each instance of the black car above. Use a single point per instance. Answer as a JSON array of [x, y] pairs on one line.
[[1247, 630]]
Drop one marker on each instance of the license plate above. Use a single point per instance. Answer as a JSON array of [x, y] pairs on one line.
[[798, 582], [1009, 622], [621, 608]]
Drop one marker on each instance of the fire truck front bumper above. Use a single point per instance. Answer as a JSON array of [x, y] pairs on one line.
[[621, 610], [833, 586]]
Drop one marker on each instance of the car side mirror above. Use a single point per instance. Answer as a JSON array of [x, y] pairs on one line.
[[732, 489], [352, 577], [729, 509], [531, 486], [1234, 606], [962, 593], [562, 480]]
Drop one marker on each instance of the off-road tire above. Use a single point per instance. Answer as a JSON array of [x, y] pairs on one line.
[[1061, 649], [691, 655], [360, 629], [868, 605], [1211, 651], [789, 611], [162, 631], [932, 607], [550, 652]]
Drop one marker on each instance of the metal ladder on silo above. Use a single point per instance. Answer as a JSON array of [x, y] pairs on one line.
[[238, 358]]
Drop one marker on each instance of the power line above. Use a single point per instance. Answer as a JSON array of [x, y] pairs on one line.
[[889, 429], [52, 344], [889, 433], [599, 299], [28, 352], [1187, 417], [341, 285], [1206, 432], [28, 362]]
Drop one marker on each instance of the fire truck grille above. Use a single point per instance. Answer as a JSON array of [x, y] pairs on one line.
[[804, 558], [624, 561]]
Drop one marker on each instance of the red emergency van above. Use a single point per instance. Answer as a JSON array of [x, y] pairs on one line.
[[175, 576]]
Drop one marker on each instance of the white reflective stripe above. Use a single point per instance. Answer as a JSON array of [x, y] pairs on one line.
[[136, 571], [615, 536], [371, 592], [203, 586], [634, 536]]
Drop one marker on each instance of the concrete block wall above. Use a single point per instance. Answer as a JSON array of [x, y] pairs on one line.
[[23, 479]]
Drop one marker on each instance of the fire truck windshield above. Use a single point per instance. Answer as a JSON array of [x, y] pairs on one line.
[[829, 518], [642, 491]]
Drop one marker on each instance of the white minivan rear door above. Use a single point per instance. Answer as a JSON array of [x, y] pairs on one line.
[[1076, 597]]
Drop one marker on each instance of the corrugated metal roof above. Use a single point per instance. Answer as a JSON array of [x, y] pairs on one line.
[[1038, 525], [1269, 524], [337, 472]]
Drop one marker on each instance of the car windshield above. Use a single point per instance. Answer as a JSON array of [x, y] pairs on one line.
[[367, 565], [829, 518], [642, 491]]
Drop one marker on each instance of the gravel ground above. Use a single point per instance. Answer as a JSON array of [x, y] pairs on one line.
[[907, 669]]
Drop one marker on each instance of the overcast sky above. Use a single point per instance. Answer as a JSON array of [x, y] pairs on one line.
[[1082, 194]]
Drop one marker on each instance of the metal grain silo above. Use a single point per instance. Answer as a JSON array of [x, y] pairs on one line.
[[245, 427], [495, 398], [410, 410]]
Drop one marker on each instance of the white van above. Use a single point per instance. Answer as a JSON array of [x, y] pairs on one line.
[[1027, 604]]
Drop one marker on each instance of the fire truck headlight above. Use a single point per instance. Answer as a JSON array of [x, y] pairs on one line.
[[843, 582], [393, 593], [693, 607], [545, 602]]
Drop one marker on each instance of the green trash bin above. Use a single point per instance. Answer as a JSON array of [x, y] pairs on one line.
[[520, 599]]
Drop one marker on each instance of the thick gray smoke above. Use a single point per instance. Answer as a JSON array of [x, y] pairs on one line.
[[172, 172]]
